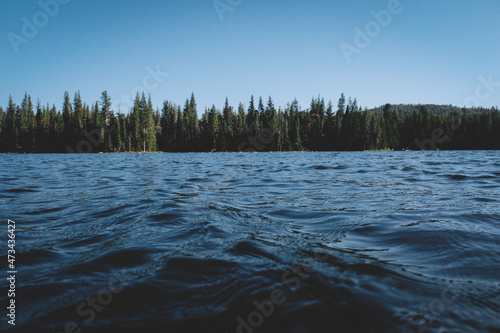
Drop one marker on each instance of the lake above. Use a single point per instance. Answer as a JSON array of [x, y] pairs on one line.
[[267, 242]]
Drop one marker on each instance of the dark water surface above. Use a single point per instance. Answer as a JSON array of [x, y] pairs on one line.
[[341, 242]]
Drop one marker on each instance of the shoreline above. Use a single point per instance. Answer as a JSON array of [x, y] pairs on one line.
[[246, 152]]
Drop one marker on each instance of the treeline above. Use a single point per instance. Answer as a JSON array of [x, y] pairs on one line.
[[82, 128], [433, 109]]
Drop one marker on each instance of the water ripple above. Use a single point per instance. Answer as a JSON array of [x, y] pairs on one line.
[[347, 242]]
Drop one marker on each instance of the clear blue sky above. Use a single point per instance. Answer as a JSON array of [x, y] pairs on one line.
[[432, 51]]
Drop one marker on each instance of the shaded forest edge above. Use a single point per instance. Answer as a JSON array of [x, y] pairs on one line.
[[82, 128]]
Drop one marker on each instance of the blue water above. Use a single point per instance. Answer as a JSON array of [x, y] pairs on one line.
[[267, 242]]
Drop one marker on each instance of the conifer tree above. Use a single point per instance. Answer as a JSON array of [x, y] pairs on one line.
[[213, 129], [67, 115], [105, 125], [27, 125], [242, 128], [252, 117], [136, 125], [11, 127], [261, 115], [78, 119], [149, 124], [180, 131]]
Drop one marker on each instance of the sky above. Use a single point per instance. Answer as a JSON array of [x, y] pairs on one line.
[[377, 51]]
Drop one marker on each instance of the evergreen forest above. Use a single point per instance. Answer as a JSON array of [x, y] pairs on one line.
[[261, 126]]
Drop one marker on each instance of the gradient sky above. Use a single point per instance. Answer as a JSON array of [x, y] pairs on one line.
[[433, 51]]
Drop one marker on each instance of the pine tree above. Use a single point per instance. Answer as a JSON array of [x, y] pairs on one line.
[[86, 119], [213, 129], [191, 129], [78, 119], [261, 115], [329, 128], [27, 125], [242, 128], [252, 117], [42, 139], [391, 126], [79, 123], [111, 138], [11, 131], [57, 130], [136, 125], [294, 123], [168, 123], [149, 125], [339, 118], [106, 127], [67, 115], [180, 131], [270, 123], [228, 124]]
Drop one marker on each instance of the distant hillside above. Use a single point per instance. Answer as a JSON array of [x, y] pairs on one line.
[[438, 110]]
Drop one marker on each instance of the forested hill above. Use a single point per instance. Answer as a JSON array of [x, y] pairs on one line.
[[433, 109], [261, 126]]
